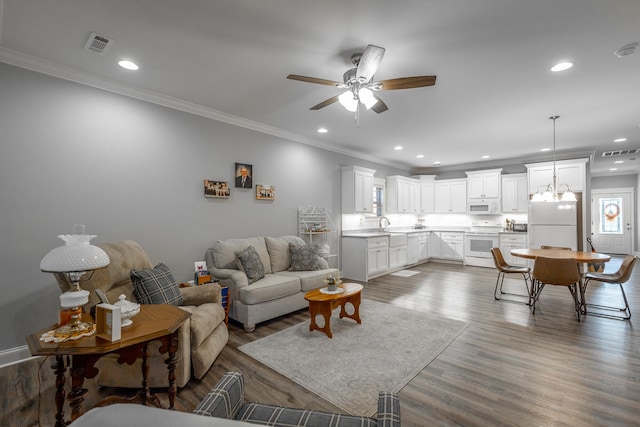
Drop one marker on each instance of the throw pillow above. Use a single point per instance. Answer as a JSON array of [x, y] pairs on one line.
[[156, 286], [304, 258], [249, 262]]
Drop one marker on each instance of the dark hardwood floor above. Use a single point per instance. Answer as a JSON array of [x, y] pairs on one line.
[[508, 368]]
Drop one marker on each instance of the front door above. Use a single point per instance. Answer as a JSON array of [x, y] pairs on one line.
[[612, 220]]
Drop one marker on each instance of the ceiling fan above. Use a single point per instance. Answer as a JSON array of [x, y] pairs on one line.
[[359, 83]]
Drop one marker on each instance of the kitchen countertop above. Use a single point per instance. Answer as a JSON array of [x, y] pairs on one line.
[[366, 234]]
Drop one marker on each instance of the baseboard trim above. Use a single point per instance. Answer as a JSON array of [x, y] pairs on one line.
[[14, 355]]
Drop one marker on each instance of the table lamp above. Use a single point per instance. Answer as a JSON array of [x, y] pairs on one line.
[[74, 259]]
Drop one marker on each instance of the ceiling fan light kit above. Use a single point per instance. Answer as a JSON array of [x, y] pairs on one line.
[[360, 85]]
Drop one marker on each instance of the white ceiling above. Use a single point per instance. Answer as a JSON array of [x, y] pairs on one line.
[[229, 59]]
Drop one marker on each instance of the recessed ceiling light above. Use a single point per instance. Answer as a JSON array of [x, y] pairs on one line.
[[419, 156], [398, 147], [562, 66], [545, 149], [485, 157], [617, 162], [620, 140], [128, 65], [436, 163], [322, 130]]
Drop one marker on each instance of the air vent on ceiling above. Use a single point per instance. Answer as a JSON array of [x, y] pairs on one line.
[[620, 152], [98, 44]]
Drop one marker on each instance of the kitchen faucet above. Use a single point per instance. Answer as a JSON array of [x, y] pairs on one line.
[[380, 222]]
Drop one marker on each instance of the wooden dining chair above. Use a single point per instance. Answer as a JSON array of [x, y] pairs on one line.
[[503, 269], [619, 277], [562, 248], [557, 272]]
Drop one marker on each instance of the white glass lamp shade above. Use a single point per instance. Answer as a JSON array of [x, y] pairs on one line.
[[348, 101], [76, 255], [367, 98], [537, 197]]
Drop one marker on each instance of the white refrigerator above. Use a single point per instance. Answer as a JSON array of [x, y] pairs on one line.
[[553, 224]]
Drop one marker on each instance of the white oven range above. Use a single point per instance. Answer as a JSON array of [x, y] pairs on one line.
[[478, 244]]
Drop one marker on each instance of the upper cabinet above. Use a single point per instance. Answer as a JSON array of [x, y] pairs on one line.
[[403, 195], [515, 196], [357, 190], [427, 188], [450, 196], [484, 184], [570, 172]]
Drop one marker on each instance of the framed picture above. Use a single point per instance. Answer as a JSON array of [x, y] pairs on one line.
[[217, 189], [244, 175], [265, 192]]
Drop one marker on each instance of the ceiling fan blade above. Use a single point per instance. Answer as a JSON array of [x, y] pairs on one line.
[[325, 103], [369, 63], [313, 80], [380, 106], [408, 82]]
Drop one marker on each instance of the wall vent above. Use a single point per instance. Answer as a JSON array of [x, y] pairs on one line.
[[98, 44], [620, 152]]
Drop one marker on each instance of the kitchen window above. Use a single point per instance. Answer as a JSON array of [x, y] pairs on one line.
[[378, 198]]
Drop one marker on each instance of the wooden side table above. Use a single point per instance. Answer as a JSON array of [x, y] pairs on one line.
[[154, 322]]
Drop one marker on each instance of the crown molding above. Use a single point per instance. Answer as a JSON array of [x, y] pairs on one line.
[[33, 63]]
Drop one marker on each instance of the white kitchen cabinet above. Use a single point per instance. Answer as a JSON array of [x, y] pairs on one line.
[[357, 190], [484, 184], [423, 247], [452, 245], [570, 172], [398, 250], [427, 188], [510, 241], [450, 196], [402, 195], [364, 257], [413, 249], [515, 194], [434, 244]]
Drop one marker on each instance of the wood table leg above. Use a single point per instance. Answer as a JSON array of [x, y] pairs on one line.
[[60, 370], [171, 366], [76, 397], [323, 308], [355, 301]]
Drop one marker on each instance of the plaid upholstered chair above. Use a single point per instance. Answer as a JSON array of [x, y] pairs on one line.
[[226, 400]]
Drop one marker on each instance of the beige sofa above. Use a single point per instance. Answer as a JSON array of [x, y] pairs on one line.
[[201, 338], [281, 291]]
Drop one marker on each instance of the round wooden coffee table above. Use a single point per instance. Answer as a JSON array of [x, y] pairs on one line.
[[324, 303]]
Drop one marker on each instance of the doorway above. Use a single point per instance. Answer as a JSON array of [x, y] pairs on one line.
[[612, 216]]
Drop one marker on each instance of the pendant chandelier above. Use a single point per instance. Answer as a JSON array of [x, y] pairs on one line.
[[550, 192]]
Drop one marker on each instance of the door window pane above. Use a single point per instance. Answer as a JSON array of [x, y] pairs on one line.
[[611, 215]]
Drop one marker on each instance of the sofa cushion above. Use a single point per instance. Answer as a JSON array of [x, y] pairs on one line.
[[303, 258], [311, 279], [224, 252], [156, 286], [278, 248], [272, 286], [249, 263]]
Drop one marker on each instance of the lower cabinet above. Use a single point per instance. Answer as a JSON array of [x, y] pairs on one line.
[[413, 249], [398, 250], [423, 247], [509, 242], [446, 245], [364, 258]]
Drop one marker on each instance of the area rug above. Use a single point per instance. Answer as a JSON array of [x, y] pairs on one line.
[[390, 347], [405, 273]]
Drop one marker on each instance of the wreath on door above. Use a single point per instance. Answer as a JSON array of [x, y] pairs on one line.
[[611, 211]]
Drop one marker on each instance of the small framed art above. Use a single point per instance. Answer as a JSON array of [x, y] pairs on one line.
[[244, 175], [218, 189], [265, 192]]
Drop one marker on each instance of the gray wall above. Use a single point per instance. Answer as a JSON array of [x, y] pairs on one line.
[[127, 169]]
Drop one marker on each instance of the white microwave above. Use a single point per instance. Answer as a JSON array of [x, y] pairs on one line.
[[483, 207]]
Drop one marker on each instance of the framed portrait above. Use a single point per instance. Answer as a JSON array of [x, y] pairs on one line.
[[244, 175], [216, 189], [265, 192]]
